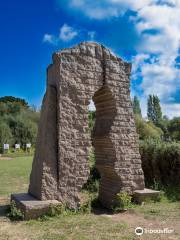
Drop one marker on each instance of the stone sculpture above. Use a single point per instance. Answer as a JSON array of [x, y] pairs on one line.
[[60, 167]]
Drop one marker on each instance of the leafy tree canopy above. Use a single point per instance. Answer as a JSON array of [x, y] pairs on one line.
[[12, 99], [154, 109], [136, 106]]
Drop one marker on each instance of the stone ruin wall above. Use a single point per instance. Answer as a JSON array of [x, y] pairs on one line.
[[60, 167]]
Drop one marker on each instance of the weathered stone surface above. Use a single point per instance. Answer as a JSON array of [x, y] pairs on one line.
[[60, 166], [31, 207], [43, 179], [146, 194]]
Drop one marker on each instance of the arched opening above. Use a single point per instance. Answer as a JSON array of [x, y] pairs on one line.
[[102, 111], [92, 184], [103, 147]]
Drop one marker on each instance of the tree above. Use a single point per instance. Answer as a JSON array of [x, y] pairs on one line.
[[5, 135], [11, 99], [136, 106], [147, 130], [154, 109], [18, 121], [174, 128], [23, 130], [150, 108], [157, 110]]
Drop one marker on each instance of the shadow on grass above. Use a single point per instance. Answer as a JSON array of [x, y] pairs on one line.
[[98, 209], [3, 210], [4, 206]]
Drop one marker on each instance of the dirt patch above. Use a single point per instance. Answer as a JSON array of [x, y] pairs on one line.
[[134, 220], [6, 158]]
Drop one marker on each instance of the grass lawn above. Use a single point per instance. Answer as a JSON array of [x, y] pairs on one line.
[[14, 175], [98, 225]]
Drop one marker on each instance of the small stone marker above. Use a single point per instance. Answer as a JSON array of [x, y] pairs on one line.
[[28, 145], [17, 146], [6, 146]]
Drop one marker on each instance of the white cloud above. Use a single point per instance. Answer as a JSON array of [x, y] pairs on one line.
[[159, 74], [67, 33], [108, 8], [159, 80], [171, 109], [49, 38], [158, 24]]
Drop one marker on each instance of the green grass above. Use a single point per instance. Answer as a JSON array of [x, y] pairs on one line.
[[14, 178], [16, 154], [80, 226], [159, 210], [71, 227], [14, 175]]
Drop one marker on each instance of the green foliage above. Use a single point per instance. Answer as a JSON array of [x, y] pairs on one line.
[[136, 106], [55, 210], [5, 135], [171, 192], [147, 130], [163, 125], [14, 213], [18, 122], [85, 207], [122, 202], [159, 197], [62, 209], [160, 162], [91, 118], [10, 99], [174, 128], [92, 184], [23, 130], [154, 109]]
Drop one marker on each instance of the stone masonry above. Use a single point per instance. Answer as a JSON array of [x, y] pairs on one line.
[[60, 167]]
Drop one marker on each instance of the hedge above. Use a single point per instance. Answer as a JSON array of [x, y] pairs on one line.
[[160, 162]]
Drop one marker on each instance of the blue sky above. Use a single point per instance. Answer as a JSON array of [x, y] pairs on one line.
[[145, 32]]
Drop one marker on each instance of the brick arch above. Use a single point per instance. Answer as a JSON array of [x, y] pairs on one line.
[[60, 167]]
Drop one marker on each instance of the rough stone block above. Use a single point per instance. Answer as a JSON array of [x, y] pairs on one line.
[[145, 195], [30, 206]]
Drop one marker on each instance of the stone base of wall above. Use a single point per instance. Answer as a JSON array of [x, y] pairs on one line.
[[144, 195], [30, 206]]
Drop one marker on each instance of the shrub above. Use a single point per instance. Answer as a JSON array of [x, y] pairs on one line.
[[55, 210], [122, 202], [174, 128], [85, 207], [14, 213], [160, 162], [92, 184], [147, 130]]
